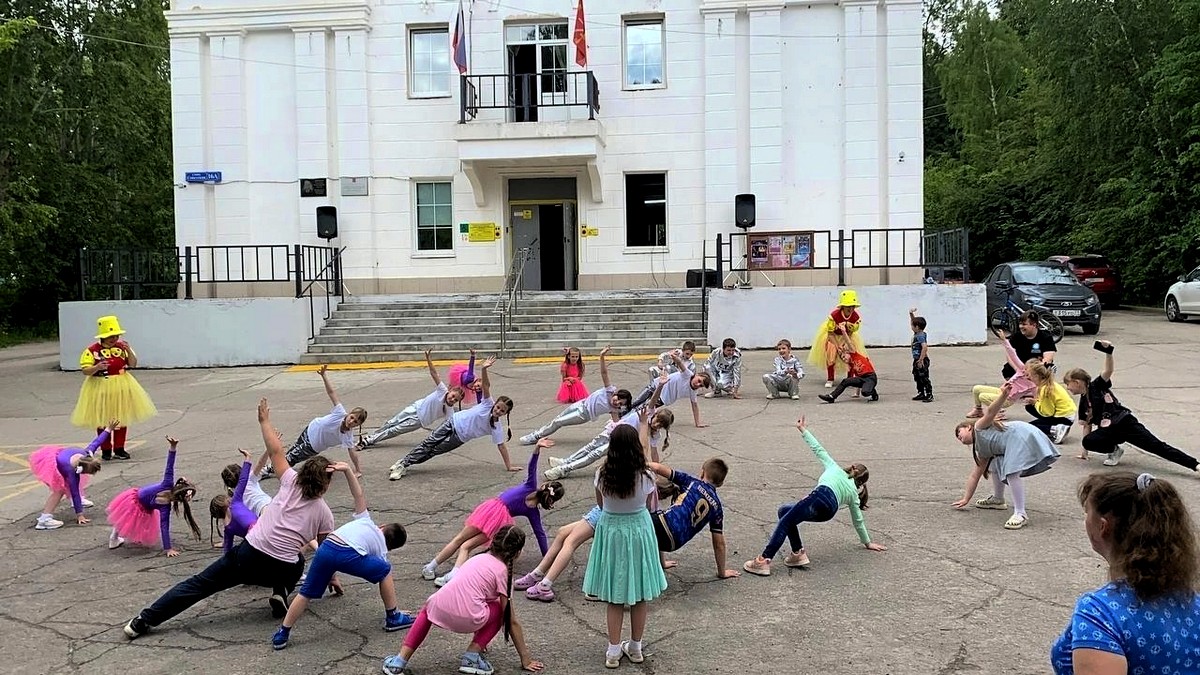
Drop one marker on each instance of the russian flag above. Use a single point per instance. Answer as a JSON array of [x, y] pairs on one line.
[[459, 44]]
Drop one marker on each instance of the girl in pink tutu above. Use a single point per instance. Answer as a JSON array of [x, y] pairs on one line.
[[67, 471], [573, 389], [143, 515], [461, 375], [487, 518]]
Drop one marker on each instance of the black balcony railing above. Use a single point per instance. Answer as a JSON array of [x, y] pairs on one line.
[[523, 95]]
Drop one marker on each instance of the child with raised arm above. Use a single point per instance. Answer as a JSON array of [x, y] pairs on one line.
[[836, 488], [660, 429], [358, 548], [674, 360], [607, 401], [425, 413], [1107, 422], [143, 515], [66, 471], [785, 381], [476, 601], [725, 367], [462, 375], [464, 426], [1019, 383], [330, 431], [920, 355], [524, 500], [677, 385]]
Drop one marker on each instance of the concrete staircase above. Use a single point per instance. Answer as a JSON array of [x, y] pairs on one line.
[[399, 328]]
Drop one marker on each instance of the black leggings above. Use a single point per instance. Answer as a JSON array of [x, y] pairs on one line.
[[244, 565], [1130, 430], [1046, 424]]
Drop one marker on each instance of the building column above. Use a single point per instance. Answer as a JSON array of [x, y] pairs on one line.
[[861, 115], [357, 229], [314, 140], [720, 124], [226, 127], [766, 115], [189, 149], [905, 131]]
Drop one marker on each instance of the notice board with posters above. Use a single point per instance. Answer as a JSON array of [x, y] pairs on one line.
[[780, 251]]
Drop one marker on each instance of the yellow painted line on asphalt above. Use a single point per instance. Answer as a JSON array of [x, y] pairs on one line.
[[68, 444], [524, 360], [20, 489]]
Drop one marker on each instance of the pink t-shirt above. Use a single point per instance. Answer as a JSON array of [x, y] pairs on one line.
[[461, 605], [290, 521]]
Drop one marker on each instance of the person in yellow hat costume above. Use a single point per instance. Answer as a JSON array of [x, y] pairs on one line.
[[840, 328], [109, 391]]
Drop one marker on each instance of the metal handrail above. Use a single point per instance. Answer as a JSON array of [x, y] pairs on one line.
[[330, 278], [506, 304]]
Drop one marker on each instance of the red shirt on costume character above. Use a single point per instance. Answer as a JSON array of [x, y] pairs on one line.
[[838, 318], [860, 365], [117, 357]]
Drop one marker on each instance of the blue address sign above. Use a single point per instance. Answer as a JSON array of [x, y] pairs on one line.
[[202, 177]]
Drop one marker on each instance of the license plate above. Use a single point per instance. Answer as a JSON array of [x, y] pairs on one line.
[[1066, 312]]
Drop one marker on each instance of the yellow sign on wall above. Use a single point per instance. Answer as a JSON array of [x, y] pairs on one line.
[[482, 232]]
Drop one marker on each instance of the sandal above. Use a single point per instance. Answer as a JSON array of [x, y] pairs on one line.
[[975, 413], [1016, 522]]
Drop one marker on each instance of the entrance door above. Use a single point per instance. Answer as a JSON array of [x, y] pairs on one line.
[[553, 267], [526, 234]]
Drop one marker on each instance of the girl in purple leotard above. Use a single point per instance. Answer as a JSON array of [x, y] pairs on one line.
[[143, 515], [232, 509], [66, 471]]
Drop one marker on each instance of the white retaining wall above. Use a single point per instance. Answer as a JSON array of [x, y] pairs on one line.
[[759, 317]]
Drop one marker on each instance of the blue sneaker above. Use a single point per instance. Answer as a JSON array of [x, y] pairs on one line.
[[473, 663], [280, 639], [394, 665], [397, 621]]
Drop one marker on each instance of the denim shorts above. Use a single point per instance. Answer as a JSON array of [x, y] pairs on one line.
[[593, 516], [333, 557]]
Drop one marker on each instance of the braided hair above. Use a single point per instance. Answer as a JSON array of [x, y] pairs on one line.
[[506, 545]]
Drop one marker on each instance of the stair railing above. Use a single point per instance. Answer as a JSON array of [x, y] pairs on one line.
[[327, 277], [506, 304]]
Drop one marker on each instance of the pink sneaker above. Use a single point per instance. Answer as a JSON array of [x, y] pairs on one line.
[[527, 581], [537, 592]]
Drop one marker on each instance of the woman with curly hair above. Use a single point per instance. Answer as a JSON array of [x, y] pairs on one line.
[[1144, 619]]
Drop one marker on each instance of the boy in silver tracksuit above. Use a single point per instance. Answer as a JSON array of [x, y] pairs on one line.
[[725, 367], [785, 381]]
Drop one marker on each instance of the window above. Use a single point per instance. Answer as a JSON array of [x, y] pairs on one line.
[[550, 58], [645, 209], [644, 54], [435, 217], [429, 62]]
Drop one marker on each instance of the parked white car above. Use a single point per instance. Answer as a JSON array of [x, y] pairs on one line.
[[1183, 297]]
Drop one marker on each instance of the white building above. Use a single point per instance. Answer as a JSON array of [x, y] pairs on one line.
[[815, 107]]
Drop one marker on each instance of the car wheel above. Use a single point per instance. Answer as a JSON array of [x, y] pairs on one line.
[[1090, 328], [1173, 309]]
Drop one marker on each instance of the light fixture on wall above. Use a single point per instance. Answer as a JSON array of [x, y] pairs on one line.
[[901, 156]]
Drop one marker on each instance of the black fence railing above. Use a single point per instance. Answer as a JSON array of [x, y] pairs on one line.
[[125, 274], [523, 95]]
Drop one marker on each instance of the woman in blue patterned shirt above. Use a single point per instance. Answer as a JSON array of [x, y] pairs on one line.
[[1146, 620]]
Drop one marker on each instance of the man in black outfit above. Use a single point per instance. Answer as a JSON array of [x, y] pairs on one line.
[[1030, 342]]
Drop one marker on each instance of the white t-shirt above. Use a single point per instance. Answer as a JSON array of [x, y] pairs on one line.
[[326, 432], [599, 402], [634, 502], [363, 535], [679, 385], [432, 408], [475, 422], [254, 497], [631, 419]]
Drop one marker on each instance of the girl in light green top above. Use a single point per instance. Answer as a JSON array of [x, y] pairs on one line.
[[836, 487]]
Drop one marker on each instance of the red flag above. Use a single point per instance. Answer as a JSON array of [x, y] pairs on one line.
[[580, 38]]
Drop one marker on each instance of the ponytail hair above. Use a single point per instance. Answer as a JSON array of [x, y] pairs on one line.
[[508, 403], [1152, 536], [181, 495], [217, 509], [1034, 368], [506, 545]]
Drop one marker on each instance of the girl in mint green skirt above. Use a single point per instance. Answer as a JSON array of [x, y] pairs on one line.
[[624, 567]]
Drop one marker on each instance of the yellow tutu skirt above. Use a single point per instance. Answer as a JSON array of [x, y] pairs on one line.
[[825, 346], [118, 397]]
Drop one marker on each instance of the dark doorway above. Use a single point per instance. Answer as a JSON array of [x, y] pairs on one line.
[[552, 226], [522, 66]]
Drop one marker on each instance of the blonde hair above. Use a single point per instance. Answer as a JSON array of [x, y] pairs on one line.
[[1037, 371], [1077, 375]]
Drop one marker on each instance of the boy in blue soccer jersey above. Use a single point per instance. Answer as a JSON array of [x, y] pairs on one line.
[[695, 507]]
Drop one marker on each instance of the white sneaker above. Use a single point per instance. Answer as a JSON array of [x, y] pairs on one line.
[[444, 579], [528, 439], [770, 397], [1059, 432], [115, 543], [554, 473], [711, 394], [48, 524], [556, 461], [795, 397], [87, 503], [1114, 457], [428, 573], [829, 384], [397, 471]]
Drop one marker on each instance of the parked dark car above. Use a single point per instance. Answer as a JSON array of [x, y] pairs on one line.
[[1097, 273], [1045, 286]]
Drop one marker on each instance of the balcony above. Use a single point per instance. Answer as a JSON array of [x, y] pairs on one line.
[[529, 122]]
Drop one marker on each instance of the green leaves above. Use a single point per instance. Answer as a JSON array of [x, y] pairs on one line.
[[85, 144], [1080, 127]]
